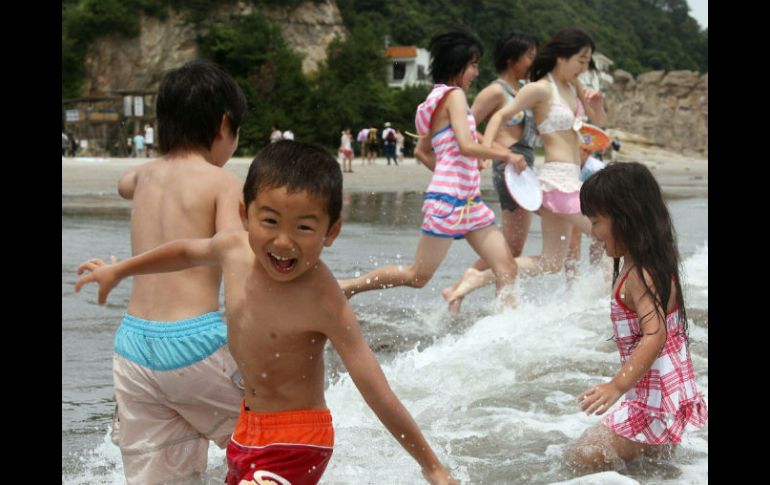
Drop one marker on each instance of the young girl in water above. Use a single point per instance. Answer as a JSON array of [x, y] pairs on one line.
[[449, 146], [656, 378]]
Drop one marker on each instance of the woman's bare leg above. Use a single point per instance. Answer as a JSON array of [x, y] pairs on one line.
[[431, 251], [515, 230]]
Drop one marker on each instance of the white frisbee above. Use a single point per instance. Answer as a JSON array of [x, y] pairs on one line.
[[524, 188]]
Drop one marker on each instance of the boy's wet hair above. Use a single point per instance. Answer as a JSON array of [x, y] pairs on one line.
[[300, 167], [450, 54], [512, 47], [191, 102]]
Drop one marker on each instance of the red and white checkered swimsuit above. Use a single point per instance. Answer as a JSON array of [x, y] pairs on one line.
[[656, 410]]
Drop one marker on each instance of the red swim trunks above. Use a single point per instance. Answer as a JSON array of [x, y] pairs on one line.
[[291, 447]]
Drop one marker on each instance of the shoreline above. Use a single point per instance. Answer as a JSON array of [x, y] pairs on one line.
[[89, 184]]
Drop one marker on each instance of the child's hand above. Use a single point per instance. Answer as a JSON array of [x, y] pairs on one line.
[[518, 162], [593, 98], [483, 163], [439, 476], [599, 399], [101, 273]]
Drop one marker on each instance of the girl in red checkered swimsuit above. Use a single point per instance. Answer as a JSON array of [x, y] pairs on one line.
[[656, 378]]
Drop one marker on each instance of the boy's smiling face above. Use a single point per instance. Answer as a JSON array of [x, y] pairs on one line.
[[288, 231]]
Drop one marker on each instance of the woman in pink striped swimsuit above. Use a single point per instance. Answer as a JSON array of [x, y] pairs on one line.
[[656, 378], [449, 146]]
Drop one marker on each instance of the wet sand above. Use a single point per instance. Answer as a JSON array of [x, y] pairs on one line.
[[91, 183]]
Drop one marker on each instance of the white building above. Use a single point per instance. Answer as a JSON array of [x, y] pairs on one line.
[[407, 66], [601, 79]]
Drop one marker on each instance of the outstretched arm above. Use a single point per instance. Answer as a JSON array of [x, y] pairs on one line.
[[173, 256], [600, 398], [458, 112], [367, 375]]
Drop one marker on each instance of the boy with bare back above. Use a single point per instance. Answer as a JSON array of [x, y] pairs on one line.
[[283, 303], [176, 384]]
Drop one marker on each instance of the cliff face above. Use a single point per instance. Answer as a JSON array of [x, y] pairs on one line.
[[670, 109], [118, 63]]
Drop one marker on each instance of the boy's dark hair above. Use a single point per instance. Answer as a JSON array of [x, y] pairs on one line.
[[299, 167], [450, 54], [564, 44], [512, 47], [191, 102], [628, 194]]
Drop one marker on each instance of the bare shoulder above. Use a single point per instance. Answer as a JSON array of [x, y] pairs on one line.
[[538, 89], [328, 295]]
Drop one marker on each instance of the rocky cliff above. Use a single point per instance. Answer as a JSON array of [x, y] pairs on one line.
[[671, 109], [116, 63]]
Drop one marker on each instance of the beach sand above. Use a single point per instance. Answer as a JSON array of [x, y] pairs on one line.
[[90, 184]]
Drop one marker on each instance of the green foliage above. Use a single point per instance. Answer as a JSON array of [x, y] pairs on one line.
[[252, 50], [350, 88]]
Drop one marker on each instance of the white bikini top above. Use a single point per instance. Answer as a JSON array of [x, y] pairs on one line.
[[560, 116]]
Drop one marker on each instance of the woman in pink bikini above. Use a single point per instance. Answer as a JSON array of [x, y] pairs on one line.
[[449, 146], [656, 378], [559, 102]]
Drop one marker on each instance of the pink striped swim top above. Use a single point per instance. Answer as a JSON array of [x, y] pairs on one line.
[[455, 174]]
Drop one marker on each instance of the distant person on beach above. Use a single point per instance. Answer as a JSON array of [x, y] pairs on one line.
[[372, 144], [138, 144], [656, 379], [275, 135], [513, 57], [449, 147], [389, 143], [176, 384], [399, 145], [346, 150], [615, 149], [559, 102], [283, 304], [149, 139], [363, 134], [74, 143]]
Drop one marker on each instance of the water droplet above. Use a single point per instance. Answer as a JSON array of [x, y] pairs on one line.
[[312, 340], [368, 280], [264, 375], [357, 274], [253, 465], [277, 355], [563, 237], [311, 357], [402, 436]]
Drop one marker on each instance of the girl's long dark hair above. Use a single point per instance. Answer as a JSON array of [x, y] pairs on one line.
[[565, 44], [628, 194]]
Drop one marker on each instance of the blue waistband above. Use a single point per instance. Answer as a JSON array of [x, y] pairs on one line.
[[170, 345], [450, 199]]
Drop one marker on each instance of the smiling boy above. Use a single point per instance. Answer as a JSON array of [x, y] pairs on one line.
[[283, 303]]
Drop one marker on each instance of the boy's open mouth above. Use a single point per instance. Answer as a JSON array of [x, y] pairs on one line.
[[282, 264]]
